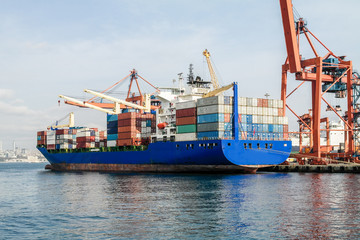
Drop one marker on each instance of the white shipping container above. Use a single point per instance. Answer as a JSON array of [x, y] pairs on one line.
[[185, 137], [260, 119], [278, 103], [249, 110], [252, 102], [255, 119], [275, 111], [276, 120], [266, 119], [111, 143], [271, 103], [83, 134], [50, 141], [185, 105], [143, 124], [242, 101], [242, 110], [228, 108]]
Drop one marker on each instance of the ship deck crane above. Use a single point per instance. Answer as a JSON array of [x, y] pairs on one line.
[[140, 99], [327, 74], [70, 124], [117, 102], [214, 79]]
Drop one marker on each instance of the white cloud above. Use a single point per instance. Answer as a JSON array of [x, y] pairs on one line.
[[6, 93], [6, 108]]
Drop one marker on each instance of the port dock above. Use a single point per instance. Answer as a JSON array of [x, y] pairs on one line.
[[330, 168]]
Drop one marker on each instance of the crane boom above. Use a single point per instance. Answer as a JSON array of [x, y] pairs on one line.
[[84, 104], [217, 91], [214, 79], [113, 99], [290, 36]]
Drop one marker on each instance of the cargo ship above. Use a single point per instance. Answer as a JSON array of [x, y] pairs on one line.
[[186, 132]]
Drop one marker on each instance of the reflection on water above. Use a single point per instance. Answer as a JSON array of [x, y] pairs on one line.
[[41, 204]]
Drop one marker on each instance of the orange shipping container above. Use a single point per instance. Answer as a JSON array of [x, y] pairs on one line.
[[127, 129], [127, 135], [128, 142], [128, 115], [265, 103], [281, 112], [286, 128], [260, 102]]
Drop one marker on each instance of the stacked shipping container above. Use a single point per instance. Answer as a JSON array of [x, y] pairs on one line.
[[87, 138], [214, 117], [112, 130], [258, 118], [41, 138], [135, 128], [72, 138], [262, 118], [185, 121]]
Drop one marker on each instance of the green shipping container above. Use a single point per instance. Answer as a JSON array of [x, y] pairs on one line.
[[186, 128]]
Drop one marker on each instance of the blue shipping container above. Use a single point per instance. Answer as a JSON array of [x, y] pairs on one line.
[[271, 128], [249, 119], [112, 124], [148, 123], [281, 128], [265, 128], [112, 130], [112, 137], [227, 134], [228, 126], [111, 117], [210, 135], [208, 118]]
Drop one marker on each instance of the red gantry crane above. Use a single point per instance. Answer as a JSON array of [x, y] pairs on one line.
[[327, 74]]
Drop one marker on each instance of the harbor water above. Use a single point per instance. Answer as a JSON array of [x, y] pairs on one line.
[[40, 204]]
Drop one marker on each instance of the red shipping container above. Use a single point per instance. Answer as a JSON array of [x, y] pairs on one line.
[[92, 138], [82, 139], [41, 142], [83, 145], [185, 120], [260, 102], [51, 146], [62, 131], [127, 122], [188, 112], [145, 141], [42, 133], [280, 112]]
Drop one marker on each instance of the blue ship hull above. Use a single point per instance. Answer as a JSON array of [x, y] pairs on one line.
[[186, 156]]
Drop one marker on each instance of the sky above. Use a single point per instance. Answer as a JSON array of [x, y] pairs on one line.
[[50, 47]]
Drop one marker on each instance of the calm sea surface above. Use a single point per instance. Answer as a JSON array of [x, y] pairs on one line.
[[39, 204]]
